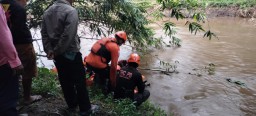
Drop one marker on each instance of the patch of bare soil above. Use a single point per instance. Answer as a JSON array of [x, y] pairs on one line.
[[52, 106]]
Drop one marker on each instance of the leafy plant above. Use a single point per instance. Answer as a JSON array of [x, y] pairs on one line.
[[194, 27], [181, 9], [103, 17], [169, 67], [200, 71], [210, 34], [46, 83], [211, 69]]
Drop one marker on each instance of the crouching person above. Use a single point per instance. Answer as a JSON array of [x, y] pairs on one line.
[[128, 79]]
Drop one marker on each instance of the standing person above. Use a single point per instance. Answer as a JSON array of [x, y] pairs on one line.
[[22, 39], [102, 52], [61, 43], [10, 68], [129, 78]]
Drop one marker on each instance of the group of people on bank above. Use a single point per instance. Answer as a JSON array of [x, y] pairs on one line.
[[62, 45]]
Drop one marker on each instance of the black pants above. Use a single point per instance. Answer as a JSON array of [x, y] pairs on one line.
[[9, 91], [101, 78], [139, 98], [71, 76]]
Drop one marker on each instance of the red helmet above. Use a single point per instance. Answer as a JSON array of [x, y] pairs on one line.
[[122, 35], [134, 57]]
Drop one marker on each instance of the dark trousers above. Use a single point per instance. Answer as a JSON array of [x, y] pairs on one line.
[[71, 76], [139, 98], [9, 91], [101, 78]]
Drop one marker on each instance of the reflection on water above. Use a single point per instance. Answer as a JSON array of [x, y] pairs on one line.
[[190, 95]]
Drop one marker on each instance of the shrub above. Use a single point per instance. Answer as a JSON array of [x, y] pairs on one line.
[[46, 83]]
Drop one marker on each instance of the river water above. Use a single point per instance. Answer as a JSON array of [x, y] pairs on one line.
[[192, 91], [187, 94]]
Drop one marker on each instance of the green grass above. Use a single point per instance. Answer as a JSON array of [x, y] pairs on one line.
[[47, 85], [124, 107]]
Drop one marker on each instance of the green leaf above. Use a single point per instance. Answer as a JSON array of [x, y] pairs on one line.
[[209, 34]]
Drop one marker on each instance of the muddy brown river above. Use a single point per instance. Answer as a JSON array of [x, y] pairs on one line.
[[192, 91]]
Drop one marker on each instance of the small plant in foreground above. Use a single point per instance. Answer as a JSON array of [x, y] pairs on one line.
[[46, 83]]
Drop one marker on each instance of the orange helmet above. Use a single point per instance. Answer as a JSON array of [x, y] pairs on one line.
[[134, 57], [122, 35]]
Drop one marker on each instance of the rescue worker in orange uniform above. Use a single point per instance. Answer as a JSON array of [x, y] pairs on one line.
[[102, 52], [128, 79]]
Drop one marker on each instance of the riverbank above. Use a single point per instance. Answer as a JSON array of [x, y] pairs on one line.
[[231, 11], [53, 103], [231, 8]]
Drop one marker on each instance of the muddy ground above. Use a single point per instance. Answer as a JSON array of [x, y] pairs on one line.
[[52, 106]]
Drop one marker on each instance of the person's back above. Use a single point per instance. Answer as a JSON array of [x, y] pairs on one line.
[[102, 52], [60, 41], [58, 29], [127, 79]]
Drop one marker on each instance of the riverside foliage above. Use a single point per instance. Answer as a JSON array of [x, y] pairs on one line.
[[103, 17]]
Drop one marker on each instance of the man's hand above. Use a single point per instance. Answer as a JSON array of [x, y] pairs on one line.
[[18, 70], [50, 55]]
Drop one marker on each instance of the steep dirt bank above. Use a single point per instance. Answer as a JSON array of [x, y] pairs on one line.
[[232, 11]]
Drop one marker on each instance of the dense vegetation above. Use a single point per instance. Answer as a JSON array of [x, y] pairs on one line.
[[103, 17]]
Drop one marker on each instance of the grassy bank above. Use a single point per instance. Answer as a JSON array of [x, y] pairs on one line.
[[53, 103]]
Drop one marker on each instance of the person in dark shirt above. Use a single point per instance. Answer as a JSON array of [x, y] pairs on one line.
[[22, 39], [128, 79]]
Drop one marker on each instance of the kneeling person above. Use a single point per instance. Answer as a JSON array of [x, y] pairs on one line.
[[128, 79]]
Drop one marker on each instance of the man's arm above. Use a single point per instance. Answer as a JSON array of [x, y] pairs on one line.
[[45, 37], [114, 50], [70, 32], [140, 84]]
